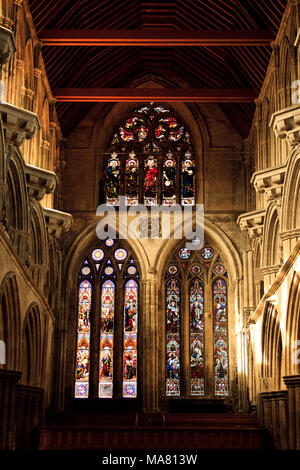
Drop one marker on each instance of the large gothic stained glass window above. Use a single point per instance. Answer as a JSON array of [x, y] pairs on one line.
[[152, 158], [193, 278], [108, 299]]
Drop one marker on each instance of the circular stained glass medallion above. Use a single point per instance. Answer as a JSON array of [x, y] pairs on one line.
[[219, 269], [85, 270], [120, 254], [207, 252], [196, 269], [109, 242], [172, 269], [98, 254], [131, 270], [108, 270], [184, 253]]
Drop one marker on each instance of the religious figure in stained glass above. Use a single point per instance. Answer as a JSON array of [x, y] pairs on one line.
[[132, 180], [169, 181], [197, 337], [173, 338], [113, 180], [221, 366], [130, 339], [150, 184], [151, 130]]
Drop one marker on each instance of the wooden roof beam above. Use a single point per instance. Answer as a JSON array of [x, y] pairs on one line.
[[156, 37], [205, 95]]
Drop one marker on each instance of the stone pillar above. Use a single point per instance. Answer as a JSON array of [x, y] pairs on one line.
[[292, 383], [281, 398], [150, 359], [8, 382]]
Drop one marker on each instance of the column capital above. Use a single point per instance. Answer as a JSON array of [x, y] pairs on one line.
[[253, 222], [286, 124], [292, 380]]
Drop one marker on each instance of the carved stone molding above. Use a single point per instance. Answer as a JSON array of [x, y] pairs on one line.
[[39, 182], [18, 124], [7, 45], [253, 222], [271, 269], [57, 221], [286, 124], [270, 181]]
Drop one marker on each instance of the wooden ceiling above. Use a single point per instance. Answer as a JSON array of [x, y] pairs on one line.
[[218, 66]]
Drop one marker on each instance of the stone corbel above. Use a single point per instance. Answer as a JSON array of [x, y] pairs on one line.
[[39, 182], [18, 124], [7, 45], [253, 222], [57, 221], [270, 181], [286, 124]]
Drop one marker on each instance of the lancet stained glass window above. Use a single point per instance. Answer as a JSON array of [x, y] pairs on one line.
[[152, 158], [108, 299], [191, 283]]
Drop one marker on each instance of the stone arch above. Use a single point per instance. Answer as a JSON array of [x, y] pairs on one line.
[[16, 204], [271, 345], [291, 194], [108, 118], [285, 73], [32, 347], [38, 250], [271, 255], [293, 326], [10, 323]]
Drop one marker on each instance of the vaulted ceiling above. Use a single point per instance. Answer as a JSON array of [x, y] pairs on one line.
[[241, 67]]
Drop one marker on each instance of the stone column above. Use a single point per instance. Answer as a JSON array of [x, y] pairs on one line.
[[292, 383], [150, 359], [281, 398]]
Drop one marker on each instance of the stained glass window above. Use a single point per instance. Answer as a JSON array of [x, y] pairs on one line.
[[130, 339], [83, 340], [173, 338], [107, 302], [188, 181], [150, 183], [197, 337], [132, 180], [151, 159], [221, 366], [190, 281], [113, 180], [107, 340], [169, 181]]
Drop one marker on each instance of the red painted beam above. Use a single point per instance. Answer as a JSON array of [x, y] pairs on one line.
[[207, 95], [165, 38]]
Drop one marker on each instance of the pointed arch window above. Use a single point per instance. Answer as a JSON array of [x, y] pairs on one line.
[[196, 294], [152, 158], [107, 323]]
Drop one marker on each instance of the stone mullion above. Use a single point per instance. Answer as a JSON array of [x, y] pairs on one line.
[[149, 346], [95, 339], [208, 341], [118, 339]]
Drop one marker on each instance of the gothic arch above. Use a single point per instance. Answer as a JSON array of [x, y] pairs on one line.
[[214, 235], [33, 351], [293, 326], [271, 345], [10, 322], [271, 239], [291, 194], [18, 192], [38, 250]]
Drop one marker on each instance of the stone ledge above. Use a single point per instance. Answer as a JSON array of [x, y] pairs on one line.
[[286, 124], [57, 221], [18, 124], [269, 181], [39, 182], [253, 222]]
